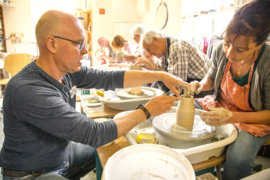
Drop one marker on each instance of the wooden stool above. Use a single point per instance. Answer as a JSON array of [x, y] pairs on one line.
[[258, 166], [267, 142]]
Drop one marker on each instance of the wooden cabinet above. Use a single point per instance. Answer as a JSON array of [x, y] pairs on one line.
[[86, 18], [3, 47]]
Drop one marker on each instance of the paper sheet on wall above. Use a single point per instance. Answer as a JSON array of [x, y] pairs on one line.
[[101, 3]]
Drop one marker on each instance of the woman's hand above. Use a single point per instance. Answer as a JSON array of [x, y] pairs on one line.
[[216, 116], [195, 87]]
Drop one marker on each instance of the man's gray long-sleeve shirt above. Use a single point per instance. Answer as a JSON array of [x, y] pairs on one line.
[[40, 121]]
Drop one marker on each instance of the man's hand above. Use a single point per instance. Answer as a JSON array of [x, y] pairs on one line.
[[145, 63], [175, 84], [216, 116], [195, 87], [130, 58], [160, 104]]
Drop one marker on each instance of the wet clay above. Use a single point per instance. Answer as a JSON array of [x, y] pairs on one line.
[[185, 112]]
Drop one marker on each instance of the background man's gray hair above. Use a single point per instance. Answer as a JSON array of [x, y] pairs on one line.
[[148, 36], [138, 29]]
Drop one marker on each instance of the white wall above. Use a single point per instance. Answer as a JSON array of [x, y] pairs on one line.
[[173, 25], [23, 18], [18, 19], [115, 11], [120, 15]]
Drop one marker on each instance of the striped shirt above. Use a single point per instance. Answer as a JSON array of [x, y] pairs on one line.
[[185, 60]]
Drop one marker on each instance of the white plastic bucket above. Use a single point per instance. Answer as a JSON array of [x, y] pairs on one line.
[[148, 161]]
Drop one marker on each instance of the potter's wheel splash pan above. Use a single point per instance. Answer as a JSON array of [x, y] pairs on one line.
[[166, 126]]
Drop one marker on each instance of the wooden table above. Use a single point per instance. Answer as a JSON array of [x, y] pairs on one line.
[[107, 112]]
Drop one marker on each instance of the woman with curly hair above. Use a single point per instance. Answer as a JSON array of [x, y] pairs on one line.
[[240, 76]]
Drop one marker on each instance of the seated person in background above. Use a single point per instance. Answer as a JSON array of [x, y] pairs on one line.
[[118, 43], [240, 76], [137, 31], [106, 55], [45, 137], [180, 58]]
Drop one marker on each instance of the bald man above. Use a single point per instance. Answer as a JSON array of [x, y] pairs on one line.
[[107, 54], [45, 137]]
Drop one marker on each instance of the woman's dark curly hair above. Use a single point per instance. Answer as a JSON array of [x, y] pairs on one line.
[[251, 20]]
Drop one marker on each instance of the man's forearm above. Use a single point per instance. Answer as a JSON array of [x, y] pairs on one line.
[[126, 123], [138, 78]]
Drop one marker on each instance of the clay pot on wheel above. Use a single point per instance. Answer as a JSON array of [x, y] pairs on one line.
[[185, 112]]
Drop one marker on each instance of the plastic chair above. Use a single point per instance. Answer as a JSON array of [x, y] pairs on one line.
[[14, 63]]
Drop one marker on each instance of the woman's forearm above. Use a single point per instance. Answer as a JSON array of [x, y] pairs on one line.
[[258, 117], [207, 83]]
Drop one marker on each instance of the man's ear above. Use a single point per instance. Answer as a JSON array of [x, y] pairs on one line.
[[155, 39], [51, 44], [264, 42]]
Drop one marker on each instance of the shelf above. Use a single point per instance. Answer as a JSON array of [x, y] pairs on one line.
[[207, 15], [82, 11], [7, 5]]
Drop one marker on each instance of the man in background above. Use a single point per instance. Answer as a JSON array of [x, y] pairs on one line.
[[180, 58]]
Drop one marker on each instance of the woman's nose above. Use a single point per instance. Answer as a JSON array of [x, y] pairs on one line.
[[230, 52]]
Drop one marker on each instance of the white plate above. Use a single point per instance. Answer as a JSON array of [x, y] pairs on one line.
[[123, 94], [148, 161], [93, 105], [113, 101]]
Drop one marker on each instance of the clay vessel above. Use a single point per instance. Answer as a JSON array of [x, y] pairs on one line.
[[135, 67], [185, 112]]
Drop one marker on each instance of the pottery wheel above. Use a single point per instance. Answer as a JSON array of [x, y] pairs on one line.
[[123, 94], [165, 125]]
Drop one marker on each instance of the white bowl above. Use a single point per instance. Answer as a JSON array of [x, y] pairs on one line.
[[114, 102], [195, 152]]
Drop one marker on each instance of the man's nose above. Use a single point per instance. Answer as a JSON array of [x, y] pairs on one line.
[[84, 51]]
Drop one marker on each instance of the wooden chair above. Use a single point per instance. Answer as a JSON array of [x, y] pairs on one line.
[[14, 63]]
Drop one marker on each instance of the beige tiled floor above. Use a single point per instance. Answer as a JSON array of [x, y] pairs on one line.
[[90, 176]]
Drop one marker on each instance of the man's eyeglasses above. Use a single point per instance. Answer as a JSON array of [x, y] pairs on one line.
[[81, 45]]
